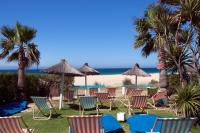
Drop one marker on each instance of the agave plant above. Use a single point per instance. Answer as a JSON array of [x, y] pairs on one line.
[[188, 100]]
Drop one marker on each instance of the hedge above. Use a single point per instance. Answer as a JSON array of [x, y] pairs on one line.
[[36, 84]]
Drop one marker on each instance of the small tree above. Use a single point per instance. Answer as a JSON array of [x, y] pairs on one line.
[[17, 45]]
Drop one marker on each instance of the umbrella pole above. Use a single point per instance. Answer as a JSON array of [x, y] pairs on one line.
[[85, 84], [136, 81], [61, 92]]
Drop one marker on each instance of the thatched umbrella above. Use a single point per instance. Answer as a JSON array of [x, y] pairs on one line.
[[87, 70], [137, 71], [64, 69]]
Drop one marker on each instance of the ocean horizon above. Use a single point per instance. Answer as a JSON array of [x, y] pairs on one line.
[[103, 71]]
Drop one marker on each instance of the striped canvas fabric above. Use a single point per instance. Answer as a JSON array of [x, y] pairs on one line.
[[12, 125], [112, 92], [133, 92], [175, 125], [85, 124], [41, 103], [93, 91], [69, 95], [138, 101], [103, 97], [88, 102], [159, 95]]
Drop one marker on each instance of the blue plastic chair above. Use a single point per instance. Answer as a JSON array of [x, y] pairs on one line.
[[142, 123], [111, 125]]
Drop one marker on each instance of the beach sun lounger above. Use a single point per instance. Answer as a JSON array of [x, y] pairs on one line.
[[88, 102], [137, 102], [85, 124], [45, 108], [14, 124], [174, 125], [104, 98]]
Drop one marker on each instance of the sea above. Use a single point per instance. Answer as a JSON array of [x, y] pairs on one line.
[[103, 71]]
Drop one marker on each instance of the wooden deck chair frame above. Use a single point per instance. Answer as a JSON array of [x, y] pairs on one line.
[[82, 109], [48, 107], [106, 96], [73, 119], [18, 122], [129, 92], [134, 100], [185, 128]]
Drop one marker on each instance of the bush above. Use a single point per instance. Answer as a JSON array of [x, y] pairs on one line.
[[37, 85], [188, 100], [153, 82], [127, 81], [174, 82]]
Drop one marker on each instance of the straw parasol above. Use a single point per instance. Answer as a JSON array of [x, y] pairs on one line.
[[137, 71], [64, 69], [87, 70]]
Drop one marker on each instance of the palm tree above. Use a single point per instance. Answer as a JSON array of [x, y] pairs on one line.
[[151, 33], [188, 14], [17, 45]]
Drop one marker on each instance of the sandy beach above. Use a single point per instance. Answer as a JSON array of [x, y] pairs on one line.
[[114, 80]]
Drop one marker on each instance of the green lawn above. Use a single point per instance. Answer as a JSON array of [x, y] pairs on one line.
[[60, 124]]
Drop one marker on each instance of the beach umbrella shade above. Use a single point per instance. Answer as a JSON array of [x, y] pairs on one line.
[[137, 71], [87, 70], [64, 69]]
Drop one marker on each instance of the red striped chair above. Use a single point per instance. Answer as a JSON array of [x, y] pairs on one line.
[[112, 92], [69, 96], [133, 92], [104, 98], [14, 124], [159, 96], [137, 102], [93, 91], [85, 124]]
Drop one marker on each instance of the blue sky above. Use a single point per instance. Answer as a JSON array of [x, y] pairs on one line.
[[99, 32]]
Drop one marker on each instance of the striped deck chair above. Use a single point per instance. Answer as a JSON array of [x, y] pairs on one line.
[[174, 125], [88, 102], [85, 124], [137, 102], [14, 124], [45, 108], [112, 92], [104, 98], [93, 91], [133, 92], [69, 96], [159, 96]]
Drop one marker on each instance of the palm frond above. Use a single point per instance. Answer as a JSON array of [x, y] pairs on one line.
[[13, 56]]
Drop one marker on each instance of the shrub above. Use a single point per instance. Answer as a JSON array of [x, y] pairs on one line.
[[153, 82], [127, 81], [37, 85], [188, 100]]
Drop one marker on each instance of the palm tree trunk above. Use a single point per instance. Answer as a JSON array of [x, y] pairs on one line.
[[162, 74], [21, 75]]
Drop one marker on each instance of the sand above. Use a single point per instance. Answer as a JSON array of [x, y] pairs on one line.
[[114, 80]]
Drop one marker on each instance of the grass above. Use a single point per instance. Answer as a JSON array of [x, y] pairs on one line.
[[60, 124]]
